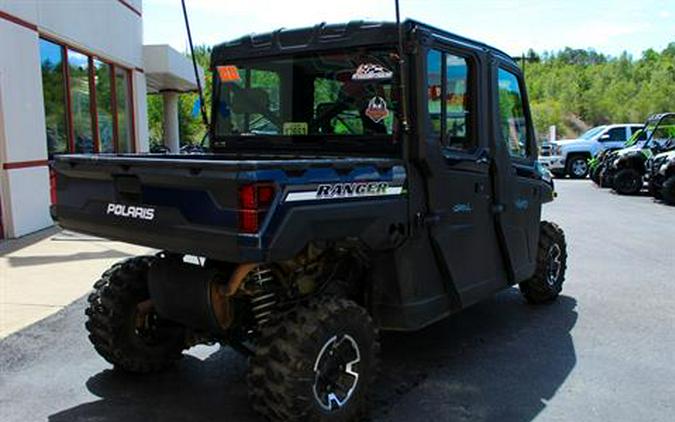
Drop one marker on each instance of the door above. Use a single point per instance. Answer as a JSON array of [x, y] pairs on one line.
[[519, 192], [459, 187]]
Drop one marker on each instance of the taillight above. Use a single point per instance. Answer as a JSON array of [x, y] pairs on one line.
[[254, 201]]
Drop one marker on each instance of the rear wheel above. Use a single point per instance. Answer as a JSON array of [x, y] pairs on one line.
[[317, 363], [627, 182], [122, 325], [606, 178], [668, 191], [577, 167], [546, 284]]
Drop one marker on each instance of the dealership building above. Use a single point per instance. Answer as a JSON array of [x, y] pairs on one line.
[[74, 76]]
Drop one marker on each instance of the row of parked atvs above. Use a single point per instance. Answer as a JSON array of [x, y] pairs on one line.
[[650, 161]]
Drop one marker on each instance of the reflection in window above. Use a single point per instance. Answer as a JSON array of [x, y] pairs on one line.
[[262, 117], [80, 102], [664, 133], [457, 104], [434, 90], [617, 134], [54, 92], [346, 94], [123, 110], [104, 112], [512, 114]]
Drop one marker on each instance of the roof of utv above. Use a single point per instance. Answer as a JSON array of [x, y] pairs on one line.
[[325, 36]]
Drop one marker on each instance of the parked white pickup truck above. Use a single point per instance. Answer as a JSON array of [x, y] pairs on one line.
[[570, 156]]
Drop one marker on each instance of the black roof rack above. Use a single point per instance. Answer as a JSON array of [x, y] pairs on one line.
[[323, 36]]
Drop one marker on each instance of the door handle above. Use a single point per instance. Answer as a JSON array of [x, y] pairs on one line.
[[483, 157]]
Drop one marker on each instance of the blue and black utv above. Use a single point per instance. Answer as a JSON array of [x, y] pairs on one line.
[[353, 184]]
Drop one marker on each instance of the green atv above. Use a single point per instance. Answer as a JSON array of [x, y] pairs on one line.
[[629, 166], [661, 177], [597, 164]]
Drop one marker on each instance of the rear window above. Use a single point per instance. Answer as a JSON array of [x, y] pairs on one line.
[[312, 97]]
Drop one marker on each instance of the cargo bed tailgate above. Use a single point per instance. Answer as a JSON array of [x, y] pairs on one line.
[[192, 204], [182, 205]]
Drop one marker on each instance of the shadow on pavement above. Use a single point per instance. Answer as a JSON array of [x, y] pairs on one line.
[[500, 360], [24, 261]]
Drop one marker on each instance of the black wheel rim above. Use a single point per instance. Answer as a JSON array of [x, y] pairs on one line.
[[554, 264], [148, 329], [336, 372]]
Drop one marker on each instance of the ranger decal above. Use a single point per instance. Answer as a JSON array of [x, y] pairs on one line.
[[345, 190]]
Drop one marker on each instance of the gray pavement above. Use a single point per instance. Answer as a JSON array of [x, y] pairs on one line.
[[604, 351]]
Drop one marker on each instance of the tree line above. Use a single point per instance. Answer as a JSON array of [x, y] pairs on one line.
[[573, 89], [578, 89]]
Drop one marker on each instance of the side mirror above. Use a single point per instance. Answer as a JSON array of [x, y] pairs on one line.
[[604, 137]]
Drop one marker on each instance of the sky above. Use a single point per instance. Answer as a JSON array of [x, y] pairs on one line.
[[608, 26]]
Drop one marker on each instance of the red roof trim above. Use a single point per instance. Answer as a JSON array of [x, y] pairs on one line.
[[24, 164], [18, 21]]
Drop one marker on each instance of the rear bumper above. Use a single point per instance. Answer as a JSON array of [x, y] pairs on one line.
[[553, 162]]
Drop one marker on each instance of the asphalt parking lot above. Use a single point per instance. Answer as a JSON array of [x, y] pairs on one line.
[[604, 351]]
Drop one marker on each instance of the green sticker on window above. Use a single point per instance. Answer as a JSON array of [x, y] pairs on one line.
[[295, 128]]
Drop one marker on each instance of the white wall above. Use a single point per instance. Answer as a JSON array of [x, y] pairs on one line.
[[22, 132], [105, 28], [29, 206]]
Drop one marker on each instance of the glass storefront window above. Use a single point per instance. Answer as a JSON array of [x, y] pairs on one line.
[[88, 102], [123, 110], [54, 92], [80, 102], [104, 106]]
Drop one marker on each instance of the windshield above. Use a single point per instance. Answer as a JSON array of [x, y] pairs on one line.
[[313, 98], [662, 132], [589, 134]]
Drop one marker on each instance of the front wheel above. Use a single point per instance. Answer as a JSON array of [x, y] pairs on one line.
[[577, 167], [316, 363], [668, 191], [546, 284], [627, 182]]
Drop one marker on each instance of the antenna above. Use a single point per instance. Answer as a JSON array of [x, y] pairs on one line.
[[202, 106], [401, 70]]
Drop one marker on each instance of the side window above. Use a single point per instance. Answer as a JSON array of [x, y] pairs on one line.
[[456, 127], [448, 100], [512, 114], [617, 134], [434, 90]]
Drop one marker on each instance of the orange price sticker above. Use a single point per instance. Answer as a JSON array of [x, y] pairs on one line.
[[228, 73]]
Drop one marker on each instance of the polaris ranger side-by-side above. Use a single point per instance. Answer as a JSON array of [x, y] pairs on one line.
[[352, 186]]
